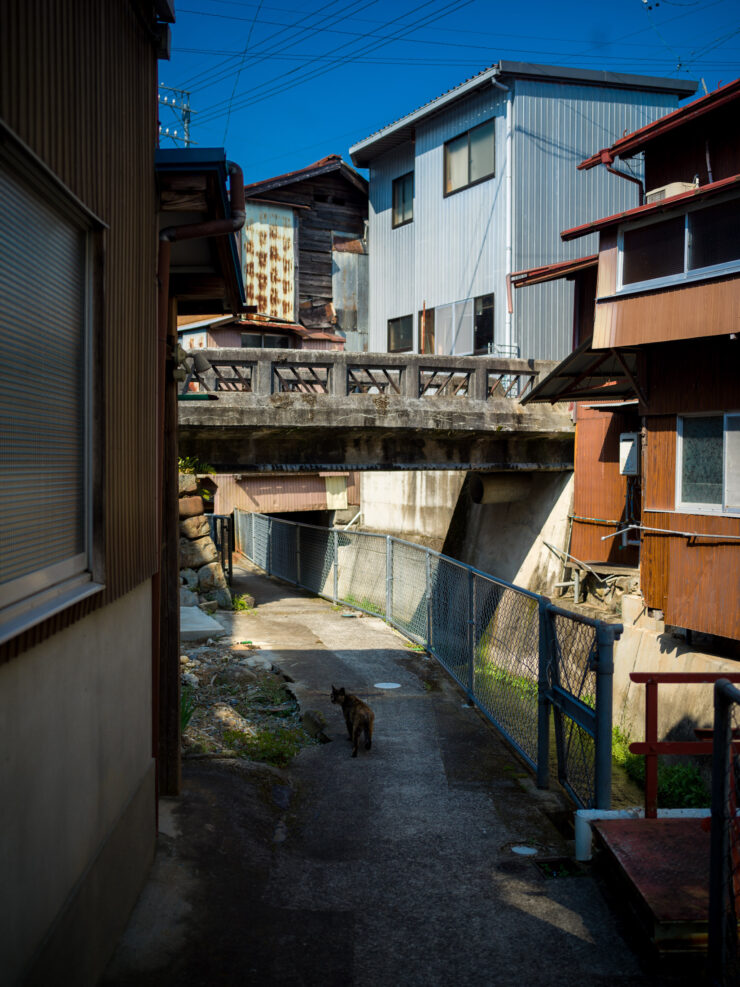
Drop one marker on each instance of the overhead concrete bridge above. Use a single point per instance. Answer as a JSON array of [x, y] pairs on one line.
[[298, 410]]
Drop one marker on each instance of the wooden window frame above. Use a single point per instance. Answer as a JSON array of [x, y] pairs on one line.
[[477, 181]]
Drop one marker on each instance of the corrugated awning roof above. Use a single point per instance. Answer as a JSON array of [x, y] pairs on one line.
[[553, 272], [701, 192], [632, 143], [404, 128], [588, 375]]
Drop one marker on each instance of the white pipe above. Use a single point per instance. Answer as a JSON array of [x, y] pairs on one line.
[[669, 531], [347, 525], [509, 194], [584, 818]]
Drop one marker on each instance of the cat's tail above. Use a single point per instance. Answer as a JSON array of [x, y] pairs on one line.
[[368, 729]]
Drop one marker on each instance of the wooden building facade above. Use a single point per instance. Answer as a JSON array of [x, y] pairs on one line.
[[304, 249], [666, 328]]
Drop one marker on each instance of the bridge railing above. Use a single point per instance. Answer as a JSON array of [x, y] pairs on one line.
[[406, 375], [519, 658]]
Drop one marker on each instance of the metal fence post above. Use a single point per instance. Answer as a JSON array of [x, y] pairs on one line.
[[606, 635], [336, 566], [298, 555], [543, 702], [429, 599], [269, 548], [471, 631], [388, 578], [722, 922]]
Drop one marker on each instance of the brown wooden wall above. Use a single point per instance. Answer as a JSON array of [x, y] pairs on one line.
[[701, 309], [345, 212], [599, 490], [681, 153], [696, 582], [78, 85]]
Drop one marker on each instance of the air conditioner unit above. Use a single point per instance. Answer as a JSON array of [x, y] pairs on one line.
[[629, 453], [666, 191]]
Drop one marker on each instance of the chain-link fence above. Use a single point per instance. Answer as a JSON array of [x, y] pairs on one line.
[[724, 868], [515, 654]]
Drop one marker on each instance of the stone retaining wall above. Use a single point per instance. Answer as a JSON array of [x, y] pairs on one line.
[[202, 579]]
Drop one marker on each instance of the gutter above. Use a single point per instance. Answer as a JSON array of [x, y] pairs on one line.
[[508, 253]]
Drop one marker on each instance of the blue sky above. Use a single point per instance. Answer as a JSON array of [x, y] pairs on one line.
[[281, 83]]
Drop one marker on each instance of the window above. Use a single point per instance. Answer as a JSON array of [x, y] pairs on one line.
[[401, 334], [697, 243], [403, 199], [426, 331], [483, 326], [469, 158], [708, 464], [46, 489], [256, 340]]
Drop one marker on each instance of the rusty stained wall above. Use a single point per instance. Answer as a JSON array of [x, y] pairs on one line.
[[599, 490], [278, 494], [350, 288], [695, 582], [78, 85], [268, 259]]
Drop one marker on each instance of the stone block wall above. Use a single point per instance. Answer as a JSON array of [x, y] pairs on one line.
[[202, 579]]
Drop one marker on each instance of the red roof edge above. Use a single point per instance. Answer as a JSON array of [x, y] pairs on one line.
[[632, 142], [652, 207]]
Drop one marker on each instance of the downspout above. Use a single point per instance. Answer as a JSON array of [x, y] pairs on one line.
[[166, 451], [508, 262], [608, 161]]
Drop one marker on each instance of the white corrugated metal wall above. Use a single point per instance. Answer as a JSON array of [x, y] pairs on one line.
[[455, 246], [555, 127]]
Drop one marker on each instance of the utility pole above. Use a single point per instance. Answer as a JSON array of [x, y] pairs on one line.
[[178, 101]]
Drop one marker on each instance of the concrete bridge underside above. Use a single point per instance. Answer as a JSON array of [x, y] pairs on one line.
[[310, 432]]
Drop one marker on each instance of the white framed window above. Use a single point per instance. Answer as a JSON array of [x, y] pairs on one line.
[[46, 402], [697, 242], [708, 463]]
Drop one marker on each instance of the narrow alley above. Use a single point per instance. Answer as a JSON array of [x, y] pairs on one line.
[[397, 867]]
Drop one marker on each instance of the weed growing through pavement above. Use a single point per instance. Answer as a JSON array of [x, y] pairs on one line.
[[241, 605], [273, 745]]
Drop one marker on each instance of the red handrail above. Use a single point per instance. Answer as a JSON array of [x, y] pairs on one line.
[[652, 747]]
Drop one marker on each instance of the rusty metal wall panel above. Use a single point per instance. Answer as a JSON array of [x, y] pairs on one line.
[[599, 490], [78, 86], [268, 259], [353, 489], [269, 494]]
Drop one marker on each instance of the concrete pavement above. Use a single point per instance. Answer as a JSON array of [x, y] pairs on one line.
[[396, 867]]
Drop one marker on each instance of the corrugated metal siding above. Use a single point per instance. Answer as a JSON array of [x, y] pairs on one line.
[[269, 494], [599, 490], [391, 251], [78, 85], [555, 127], [460, 245], [268, 259]]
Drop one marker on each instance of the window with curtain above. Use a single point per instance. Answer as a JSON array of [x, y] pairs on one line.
[[45, 388], [469, 158]]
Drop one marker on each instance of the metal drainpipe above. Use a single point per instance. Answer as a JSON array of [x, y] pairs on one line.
[[509, 195], [210, 228], [608, 161]]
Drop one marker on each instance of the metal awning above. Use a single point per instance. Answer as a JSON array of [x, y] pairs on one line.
[[589, 374]]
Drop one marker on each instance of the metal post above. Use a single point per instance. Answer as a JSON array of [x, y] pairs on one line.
[[298, 555], [543, 702], [269, 548], [336, 566], [388, 578], [471, 632], [429, 599], [606, 635], [651, 759], [719, 857]]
